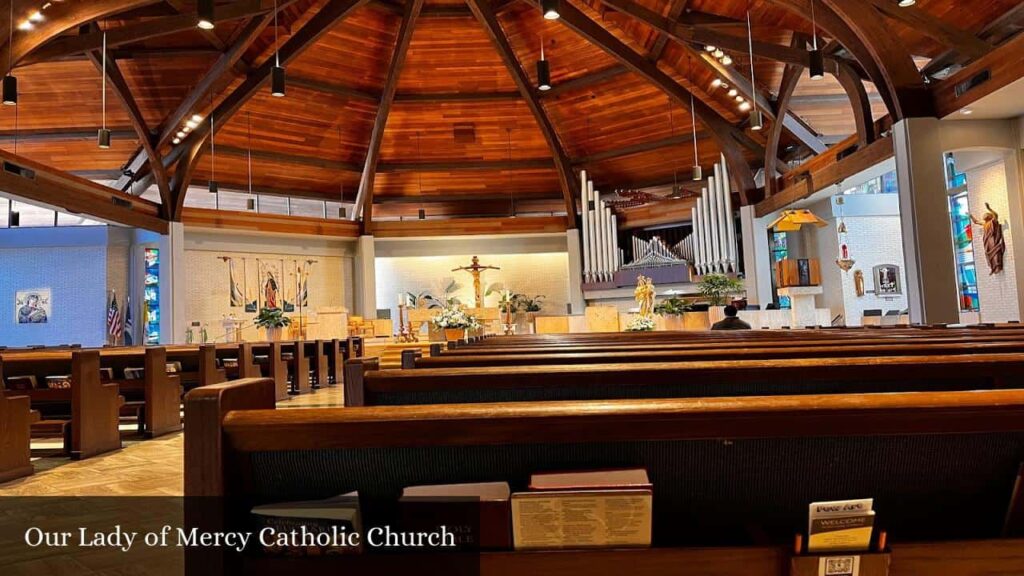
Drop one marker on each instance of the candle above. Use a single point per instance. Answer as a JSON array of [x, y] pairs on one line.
[[401, 299]]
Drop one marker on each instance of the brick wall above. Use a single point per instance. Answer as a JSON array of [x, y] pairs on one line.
[[998, 292]]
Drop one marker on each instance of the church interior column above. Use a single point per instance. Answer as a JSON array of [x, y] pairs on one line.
[[575, 261], [924, 215], [365, 281], [756, 264], [174, 285]]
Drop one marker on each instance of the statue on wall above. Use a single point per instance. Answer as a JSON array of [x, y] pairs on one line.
[[644, 295], [858, 282], [995, 245]]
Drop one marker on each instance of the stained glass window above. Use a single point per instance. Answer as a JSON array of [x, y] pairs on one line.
[[151, 296]]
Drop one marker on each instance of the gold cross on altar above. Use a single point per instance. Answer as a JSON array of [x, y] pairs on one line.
[[475, 269]]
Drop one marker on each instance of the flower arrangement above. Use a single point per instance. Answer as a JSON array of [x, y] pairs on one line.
[[454, 318], [640, 324]]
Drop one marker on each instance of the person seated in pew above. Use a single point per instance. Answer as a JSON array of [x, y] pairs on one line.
[[730, 322]]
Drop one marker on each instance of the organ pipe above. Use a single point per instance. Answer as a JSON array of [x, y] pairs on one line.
[[587, 263], [711, 245]]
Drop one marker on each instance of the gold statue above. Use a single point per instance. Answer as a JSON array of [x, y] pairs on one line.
[[858, 282], [475, 269], [992, 235], [644, 295]]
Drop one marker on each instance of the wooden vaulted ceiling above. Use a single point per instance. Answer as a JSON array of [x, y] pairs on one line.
[[460, 133]]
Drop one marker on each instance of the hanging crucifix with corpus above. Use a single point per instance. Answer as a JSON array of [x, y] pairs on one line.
[[475, 269]]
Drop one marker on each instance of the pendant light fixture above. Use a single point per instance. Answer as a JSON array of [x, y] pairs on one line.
[[550, 9], [250, 203], [103, 137], [213, 156], [277, 73], [511, 190], [845, 262], [342, 211], [698, 174], [14, 220], [422, 214], [816, 64], [543, 70], [204, 10], [10, 84], [756, 121]]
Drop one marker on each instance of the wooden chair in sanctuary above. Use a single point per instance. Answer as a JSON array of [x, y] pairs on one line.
[[733, 474]]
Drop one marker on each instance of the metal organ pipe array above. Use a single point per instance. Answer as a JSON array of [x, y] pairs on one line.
[[711, 247], [601, 254]]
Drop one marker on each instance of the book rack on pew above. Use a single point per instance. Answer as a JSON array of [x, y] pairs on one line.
[[239, 447]]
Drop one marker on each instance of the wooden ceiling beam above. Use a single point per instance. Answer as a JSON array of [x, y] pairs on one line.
[[470, 227], [61, 18], [364, 199], [924, 23], [728, 137], [639, 148], [993, 31], [1004, 66], [330, 88], [138, 121], [790, 78], [189, 151], [312, 161], [36, 182], [129, 33], [466, 165], [566, 177], [860, 103], [830, 23], [585, 81], [675, 10], [905, 84]]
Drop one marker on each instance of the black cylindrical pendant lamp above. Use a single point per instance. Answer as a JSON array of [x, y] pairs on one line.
[[550, 9], [756, 120], [250, 204], [10, 90], [277, 81], [204, 9], [816, 66], [213, 187], [15, 220], [698, 173], [103, 138], [342, 213], [422, 214], [543, 75]]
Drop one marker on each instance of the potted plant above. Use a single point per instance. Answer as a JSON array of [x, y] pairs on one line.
[[672, 310], [272, 320], [716, 289], [455, 322], [527, 308]]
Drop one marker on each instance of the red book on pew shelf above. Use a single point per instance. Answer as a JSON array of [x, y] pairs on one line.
[[478, 513], [590, 509]]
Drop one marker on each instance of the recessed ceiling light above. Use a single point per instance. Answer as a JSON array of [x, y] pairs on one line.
[[180, 134], [25, 26], [966, 111], [197, 118], [190, 124], [727, 60], [716, 83], [733, 92], [739, 99], [176, 141], [745, 106], [710, 48], [36, 16], [718, 53], [906, 3]]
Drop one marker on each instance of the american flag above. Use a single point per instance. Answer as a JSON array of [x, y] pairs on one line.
[[114, 320], [129, 329]]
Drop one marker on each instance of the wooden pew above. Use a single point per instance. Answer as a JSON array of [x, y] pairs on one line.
[[16, 419], [199, 365], [156, 395], [412, 358], [735, 474], [95, 408], [299, 368], [365, 384]]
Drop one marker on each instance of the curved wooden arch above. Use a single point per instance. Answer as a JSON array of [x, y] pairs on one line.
[[905, 83], [790, 78]]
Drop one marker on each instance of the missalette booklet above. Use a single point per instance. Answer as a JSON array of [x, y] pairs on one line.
[[840, 525]]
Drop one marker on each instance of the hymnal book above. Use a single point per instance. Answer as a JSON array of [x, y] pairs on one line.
[[840, 525], [478, 514], [326, 521], [594, 509]]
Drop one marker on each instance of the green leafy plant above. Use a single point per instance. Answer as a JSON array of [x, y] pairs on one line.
[[672, 306], [272, 318], [716, 288], [528, 304]]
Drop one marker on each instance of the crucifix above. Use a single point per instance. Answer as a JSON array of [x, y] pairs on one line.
[[475, 269]]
